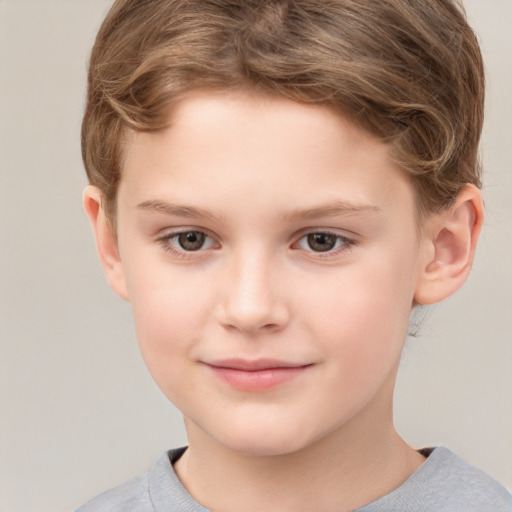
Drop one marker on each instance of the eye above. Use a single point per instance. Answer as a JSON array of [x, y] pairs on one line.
[[191, 240], [323, 241], [186, 241]]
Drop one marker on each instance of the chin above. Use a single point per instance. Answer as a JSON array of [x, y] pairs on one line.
[[262, 442], [262, 449]]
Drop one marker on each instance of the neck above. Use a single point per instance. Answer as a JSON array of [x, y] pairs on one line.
[[345, 470]]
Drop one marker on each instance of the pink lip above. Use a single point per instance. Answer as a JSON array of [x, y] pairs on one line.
[[259, 375]]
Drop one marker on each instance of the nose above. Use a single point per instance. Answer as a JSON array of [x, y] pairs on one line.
[[252, 297]]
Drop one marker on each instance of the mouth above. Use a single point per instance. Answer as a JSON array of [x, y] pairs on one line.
[[257, 375]]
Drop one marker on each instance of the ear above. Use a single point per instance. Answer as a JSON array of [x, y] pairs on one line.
[[449, 247], [106, 242]]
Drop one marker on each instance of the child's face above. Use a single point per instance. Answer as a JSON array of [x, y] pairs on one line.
[[248, 182]]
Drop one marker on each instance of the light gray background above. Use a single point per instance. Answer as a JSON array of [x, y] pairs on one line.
[[78, 410]]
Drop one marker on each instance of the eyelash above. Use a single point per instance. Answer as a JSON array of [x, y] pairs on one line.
[[166, 243], [346, 243]]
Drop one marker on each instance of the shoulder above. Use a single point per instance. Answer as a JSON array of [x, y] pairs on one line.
[[132, 495], [455, 483], [445, 483], [145, 493]]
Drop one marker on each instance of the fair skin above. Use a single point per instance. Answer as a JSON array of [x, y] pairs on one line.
[[272, 256]]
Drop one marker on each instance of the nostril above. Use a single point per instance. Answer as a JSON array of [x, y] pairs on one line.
[[252, 320], [250, 299]]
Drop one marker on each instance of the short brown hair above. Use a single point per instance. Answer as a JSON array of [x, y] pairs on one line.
[[408, 71]]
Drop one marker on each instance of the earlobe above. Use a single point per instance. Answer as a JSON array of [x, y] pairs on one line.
[[106, 242], [449, 247]]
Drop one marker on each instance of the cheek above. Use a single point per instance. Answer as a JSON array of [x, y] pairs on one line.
[[169, 316], [363, 313], [359, 327]]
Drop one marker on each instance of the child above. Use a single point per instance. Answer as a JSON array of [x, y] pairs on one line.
[[275, 187]]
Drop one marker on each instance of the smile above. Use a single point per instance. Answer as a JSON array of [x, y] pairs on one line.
[[260, 375]]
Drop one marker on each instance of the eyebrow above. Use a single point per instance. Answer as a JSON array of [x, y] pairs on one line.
[[177, 210], [333, 209]]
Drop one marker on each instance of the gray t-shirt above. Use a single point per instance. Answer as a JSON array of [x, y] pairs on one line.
[[443, 483]]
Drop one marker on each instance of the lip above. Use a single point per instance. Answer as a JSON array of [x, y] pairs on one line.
[[256, 375]]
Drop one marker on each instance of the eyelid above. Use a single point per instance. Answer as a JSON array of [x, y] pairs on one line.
[[165, 241], [342, 233], [348, 242]]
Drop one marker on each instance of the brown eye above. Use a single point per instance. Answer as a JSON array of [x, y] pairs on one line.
[[322, 242], [191, 240]]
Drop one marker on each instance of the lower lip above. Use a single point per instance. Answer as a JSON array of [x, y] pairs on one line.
[[257, 380]]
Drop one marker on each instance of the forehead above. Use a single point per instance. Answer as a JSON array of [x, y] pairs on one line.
[[266, 148], [267, 126]]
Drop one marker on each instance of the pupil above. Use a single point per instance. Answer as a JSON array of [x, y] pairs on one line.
[[321, 242], [191, 241]]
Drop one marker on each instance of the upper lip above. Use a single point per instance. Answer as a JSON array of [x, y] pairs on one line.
[[253, 365]]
